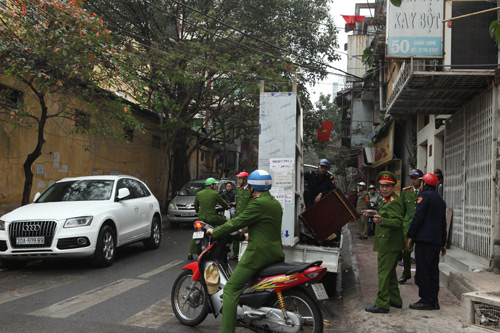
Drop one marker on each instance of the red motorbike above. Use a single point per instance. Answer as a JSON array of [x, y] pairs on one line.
[[283, 297]]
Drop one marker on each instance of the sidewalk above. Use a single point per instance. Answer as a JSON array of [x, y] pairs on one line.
[[364, 265]]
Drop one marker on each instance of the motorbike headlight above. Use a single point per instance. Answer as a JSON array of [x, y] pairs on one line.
[[171, 206], [82, 221], [2, 225]]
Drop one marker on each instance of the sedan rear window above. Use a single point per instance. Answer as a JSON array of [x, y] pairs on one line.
[[82, 190]]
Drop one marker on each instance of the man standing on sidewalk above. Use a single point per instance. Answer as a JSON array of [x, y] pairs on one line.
[[428, 231], [388, 243], [363, 204], [409, 196]]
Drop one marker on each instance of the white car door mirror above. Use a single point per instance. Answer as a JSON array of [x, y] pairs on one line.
[[37, 195], [123, 193]]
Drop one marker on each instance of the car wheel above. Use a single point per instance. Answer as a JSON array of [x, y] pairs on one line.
[[153, 242], [12, 264], [105, 249]]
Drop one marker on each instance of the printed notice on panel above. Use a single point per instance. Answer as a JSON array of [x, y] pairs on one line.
[[281, 164]]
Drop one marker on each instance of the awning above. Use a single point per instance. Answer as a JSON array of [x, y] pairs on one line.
[[436, 92]]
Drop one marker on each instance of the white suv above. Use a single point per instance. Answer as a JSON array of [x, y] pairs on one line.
[[82, 217]]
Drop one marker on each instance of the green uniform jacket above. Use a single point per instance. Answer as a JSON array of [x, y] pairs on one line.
[[363, 201], [263, 218], [389, 233], [243, 196], [409, 197], [205, 202]]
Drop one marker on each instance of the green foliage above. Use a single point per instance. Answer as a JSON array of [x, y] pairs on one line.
[[205, 59], [494, 30], [63, 56], [56, 47]]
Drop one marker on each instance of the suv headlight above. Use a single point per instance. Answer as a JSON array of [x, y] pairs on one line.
[[171, 206], [2, 225], [81, 221]]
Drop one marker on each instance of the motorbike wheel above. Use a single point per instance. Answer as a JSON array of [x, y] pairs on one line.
[[189, 300], [299, 302]]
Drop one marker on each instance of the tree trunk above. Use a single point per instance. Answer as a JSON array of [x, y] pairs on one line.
[[28, 174], [180, 166]]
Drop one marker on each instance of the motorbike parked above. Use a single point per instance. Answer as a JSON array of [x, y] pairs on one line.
[[283, 297]]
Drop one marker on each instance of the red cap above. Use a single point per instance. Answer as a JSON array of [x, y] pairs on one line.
[[431, 179], [242, 175]]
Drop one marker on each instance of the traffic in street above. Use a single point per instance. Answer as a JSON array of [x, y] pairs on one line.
[[133, 295]]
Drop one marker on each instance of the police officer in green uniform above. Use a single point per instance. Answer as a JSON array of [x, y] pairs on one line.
[[363, 204], [204, 205], [388, 243], [409, 196], [243, 196], [263, 217]]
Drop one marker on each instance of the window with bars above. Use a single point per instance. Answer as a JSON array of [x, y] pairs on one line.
[[10, 98]]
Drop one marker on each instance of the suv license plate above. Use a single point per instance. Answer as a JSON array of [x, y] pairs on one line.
[[198, 234], [319, 291], [30, 240]]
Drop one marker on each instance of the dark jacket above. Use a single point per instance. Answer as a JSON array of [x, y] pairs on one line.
[[317, 184], [229, 196], [429, 223]]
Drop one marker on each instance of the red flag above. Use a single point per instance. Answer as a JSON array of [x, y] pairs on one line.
[[324, 131], [352, 19]]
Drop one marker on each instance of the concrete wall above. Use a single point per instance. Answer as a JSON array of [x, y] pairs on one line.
[[430, 145]]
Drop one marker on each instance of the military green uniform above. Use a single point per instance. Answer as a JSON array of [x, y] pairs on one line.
[[389, 242], [409, 196], [204, 205], [263, 217], [362, 204], [243, 196]]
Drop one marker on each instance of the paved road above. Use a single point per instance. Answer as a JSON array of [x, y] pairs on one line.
[[133, 295]]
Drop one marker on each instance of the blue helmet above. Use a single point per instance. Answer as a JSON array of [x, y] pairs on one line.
[[416, 173], [260, 180], [324, 162]]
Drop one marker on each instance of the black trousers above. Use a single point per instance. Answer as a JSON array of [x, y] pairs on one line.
[[427, 257], [309, 197]]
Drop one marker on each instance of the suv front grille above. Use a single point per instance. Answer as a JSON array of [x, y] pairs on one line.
[[43, 229]]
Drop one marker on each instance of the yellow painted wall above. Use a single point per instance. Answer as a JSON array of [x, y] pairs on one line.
[[79, 155]]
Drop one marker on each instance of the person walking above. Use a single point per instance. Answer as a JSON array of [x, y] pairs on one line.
[[428, 232], [409, 196], [263, 217], [319, 183], [363, 204], [204, 205], [388, 243]]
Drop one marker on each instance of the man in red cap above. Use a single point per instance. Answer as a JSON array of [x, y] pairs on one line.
[[428, 232]]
